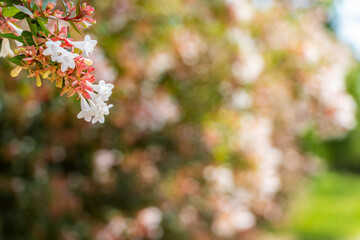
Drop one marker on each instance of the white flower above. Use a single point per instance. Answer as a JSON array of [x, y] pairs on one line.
[[54, 50], [86, 111], [67, 60], [150, 217], [5, 48], [103, 89], [15, 28], [60, 55], [19, 44], [18, 32], [87, 45], [94, 109], [100, 108]]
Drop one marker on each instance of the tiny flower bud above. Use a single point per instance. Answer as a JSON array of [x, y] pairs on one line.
[[84, 25], [59, 83], [16, 51], [90, 13], [83, 6], [88, 61], [38, 81], [50, 5], [15, 72], [46, 74]]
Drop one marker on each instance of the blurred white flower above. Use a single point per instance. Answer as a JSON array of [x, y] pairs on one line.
[[156, 111], [222, 226], [242, 39], [255, 140], [311, 52], [6, 51], [242, 219], [158, 64], [104, 160], [222, 178], [242, 9], [249, 68], [338, 107], [189, 45], [227, 223], [150, 217], [240, 99], [104, 69]]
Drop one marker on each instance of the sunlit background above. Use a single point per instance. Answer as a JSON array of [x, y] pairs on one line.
[[232, 119]]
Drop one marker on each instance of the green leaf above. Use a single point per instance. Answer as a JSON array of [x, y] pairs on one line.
[[78, 7], [32, 25], [25, 38], [65, 7], [10, 36], [18, 60], [20, 16], [24, 10], [11, 2], [41, 24], [44, 20], [28, 38], [10, 11], [76, 28]]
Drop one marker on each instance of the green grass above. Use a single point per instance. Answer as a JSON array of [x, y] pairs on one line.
[[329, 210]]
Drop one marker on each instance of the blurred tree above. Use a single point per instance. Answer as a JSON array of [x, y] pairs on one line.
[[211, 98]]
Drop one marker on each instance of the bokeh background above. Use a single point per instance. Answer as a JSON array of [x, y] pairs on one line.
[[232, 119]]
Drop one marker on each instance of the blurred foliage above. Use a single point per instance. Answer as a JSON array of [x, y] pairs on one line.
[[341, 154], [327, 209]]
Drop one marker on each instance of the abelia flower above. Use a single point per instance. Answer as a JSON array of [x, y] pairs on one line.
[[86, 111], [15, 72], [100, 112], [52, 56], [54, 50], [94, 109], [103, 89], [87, 45], [67, 60], [5, 48], [17, 30]]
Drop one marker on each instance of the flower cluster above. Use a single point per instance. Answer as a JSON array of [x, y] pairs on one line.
[[95, 108], [147, 224], [54, 55]]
